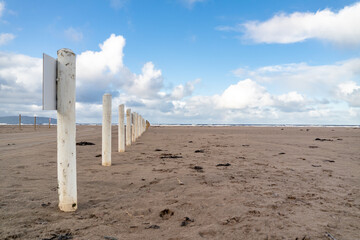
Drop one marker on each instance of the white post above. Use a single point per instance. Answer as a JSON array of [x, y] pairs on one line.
[[121, 133], [143, 125], [106, 130], [128, 127], [140, 125], [136, 125], [133, 127], [66, 130]]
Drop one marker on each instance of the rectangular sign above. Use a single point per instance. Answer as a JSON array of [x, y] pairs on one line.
[[49, 83]]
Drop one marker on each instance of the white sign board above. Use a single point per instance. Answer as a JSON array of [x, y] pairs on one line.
[[49, 83]]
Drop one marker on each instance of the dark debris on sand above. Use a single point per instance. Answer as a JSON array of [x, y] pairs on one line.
[[199, 151], [60, 236], [198, 168], [84, 143], [223, 165], [169, 155], [166, 214], [186, 221], [153, 227], [323, 139]]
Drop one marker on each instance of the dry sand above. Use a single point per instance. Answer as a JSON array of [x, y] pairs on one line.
[[281, 184]]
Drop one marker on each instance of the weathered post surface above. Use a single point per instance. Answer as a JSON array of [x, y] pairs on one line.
[[128, 127], [143, 125], [133, 127], [20, 121], [66, 130], [121, 133], [49, 122], [137, 126], [35, 122], [106, 130]]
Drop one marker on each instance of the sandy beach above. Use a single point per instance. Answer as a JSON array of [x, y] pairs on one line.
[[186, 183]]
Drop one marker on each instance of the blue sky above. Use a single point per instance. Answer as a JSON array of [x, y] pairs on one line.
[[190, 61]]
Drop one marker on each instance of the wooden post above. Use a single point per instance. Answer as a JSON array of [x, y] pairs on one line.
[[106, 130], [66, 130], [128, 127], [121, 130], [35, 122], [20, 121], [49, 122]]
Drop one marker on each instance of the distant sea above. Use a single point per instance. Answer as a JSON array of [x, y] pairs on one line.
[[26, 120]]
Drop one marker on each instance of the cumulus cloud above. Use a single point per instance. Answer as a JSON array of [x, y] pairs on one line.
[[73, 34], [97, 72], [349, 92], [336, 27], [20, 83], [244, 94], [186, 90], [108, 61], [5, 38], [148, 83], [251, 100], [318, 80]]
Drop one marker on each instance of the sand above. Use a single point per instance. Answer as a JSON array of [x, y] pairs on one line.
[[275, 183]]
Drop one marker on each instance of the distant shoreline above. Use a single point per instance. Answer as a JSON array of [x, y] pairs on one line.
[[203, 125]]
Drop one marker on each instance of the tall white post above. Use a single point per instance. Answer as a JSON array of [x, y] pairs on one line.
[[139, 132], [128, 127], [143, 125], [133, 127], [140, 123], [121, 133], [136, 125], [66, 130], [106, 130]]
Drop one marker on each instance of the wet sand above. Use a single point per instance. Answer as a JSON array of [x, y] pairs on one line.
[[272, 183]]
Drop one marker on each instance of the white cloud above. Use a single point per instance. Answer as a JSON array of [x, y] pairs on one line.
[[291, 102], [318, 80], [336, 27], [252, 100], [73, 34], [349, 92], [6, 38], [93, 65], [244, 94], [181, 91], [20, 83]]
